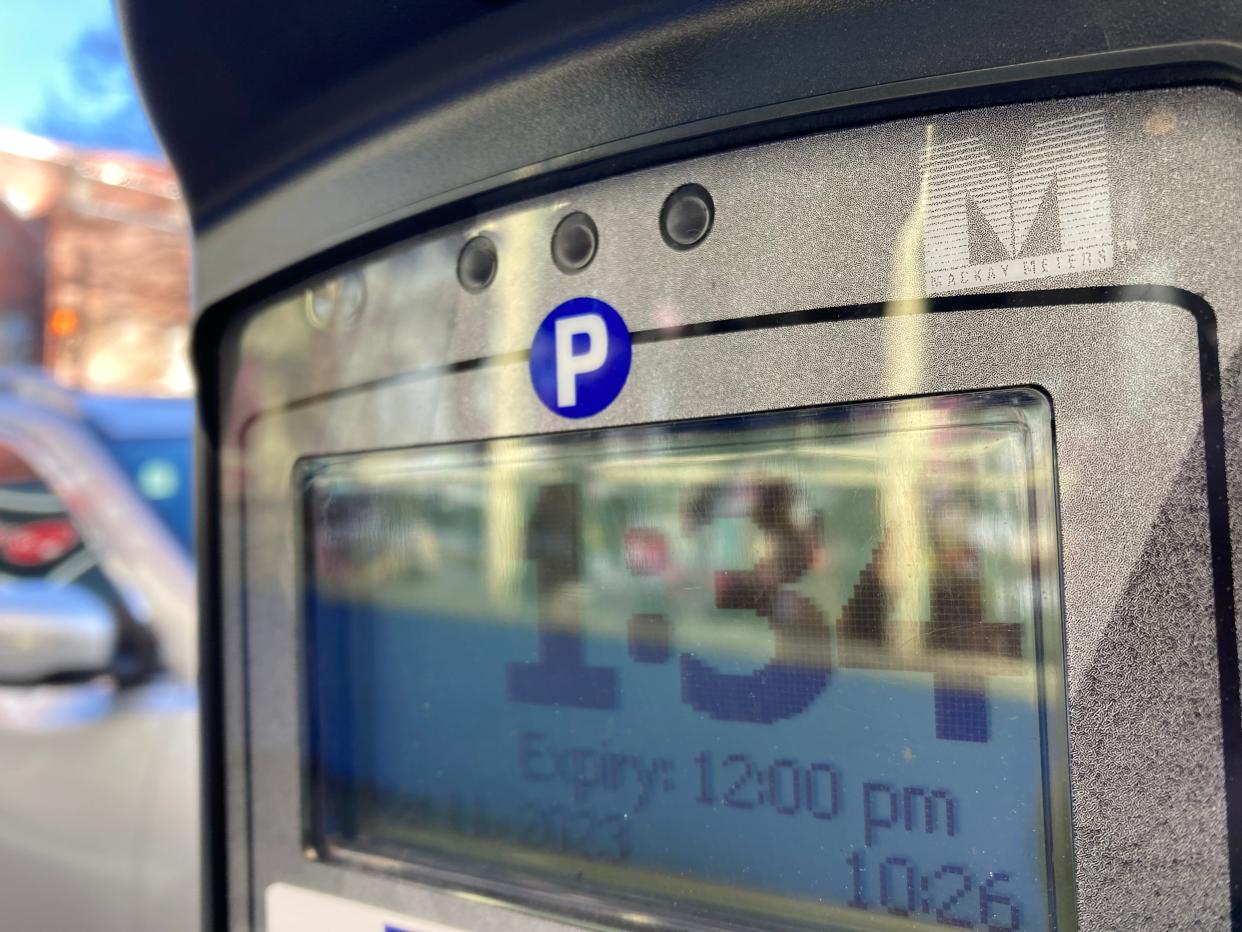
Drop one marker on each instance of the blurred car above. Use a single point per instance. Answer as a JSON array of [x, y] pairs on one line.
[[98, 709]]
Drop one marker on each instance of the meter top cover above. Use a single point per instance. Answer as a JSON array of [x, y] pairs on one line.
[[714, 465]]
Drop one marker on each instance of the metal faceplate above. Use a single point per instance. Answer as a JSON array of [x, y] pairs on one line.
[[840, 267]]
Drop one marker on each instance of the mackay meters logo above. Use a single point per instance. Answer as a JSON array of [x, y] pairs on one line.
[[1046, 213]]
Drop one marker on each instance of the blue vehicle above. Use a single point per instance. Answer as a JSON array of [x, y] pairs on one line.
[[151, 439]]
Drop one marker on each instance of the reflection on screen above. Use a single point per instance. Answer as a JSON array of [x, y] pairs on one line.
[[788, 665]]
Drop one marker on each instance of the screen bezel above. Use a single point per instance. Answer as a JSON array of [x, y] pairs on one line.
[[506, 880], [547, 900]]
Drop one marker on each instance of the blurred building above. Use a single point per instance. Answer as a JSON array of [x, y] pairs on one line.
[[94, 267]]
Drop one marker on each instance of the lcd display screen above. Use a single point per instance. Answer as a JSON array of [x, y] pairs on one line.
[[802, 666]]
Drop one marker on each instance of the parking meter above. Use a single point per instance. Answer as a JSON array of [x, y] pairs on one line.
[[714, 465]]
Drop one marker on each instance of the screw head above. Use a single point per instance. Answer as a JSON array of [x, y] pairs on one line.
[[477, 263], [686, 217], [336, 302], [574, 242]]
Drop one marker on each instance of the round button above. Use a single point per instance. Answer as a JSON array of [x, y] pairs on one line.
[[574, 243], [687, 215]]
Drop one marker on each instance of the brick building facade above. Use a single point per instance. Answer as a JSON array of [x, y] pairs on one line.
[[94, 268]]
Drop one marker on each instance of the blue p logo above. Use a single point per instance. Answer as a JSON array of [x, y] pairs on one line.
[[580, 358]]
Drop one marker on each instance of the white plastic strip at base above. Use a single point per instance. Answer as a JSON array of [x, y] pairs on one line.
[[294, 909]]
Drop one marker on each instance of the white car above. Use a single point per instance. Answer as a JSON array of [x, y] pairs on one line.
[[99, 808]]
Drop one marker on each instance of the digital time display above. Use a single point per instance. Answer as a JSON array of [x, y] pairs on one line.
[[803, 667]]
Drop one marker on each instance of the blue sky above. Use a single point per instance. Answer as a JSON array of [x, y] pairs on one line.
[[39, 91]]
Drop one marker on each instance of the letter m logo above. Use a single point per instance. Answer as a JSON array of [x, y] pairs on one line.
[[1046, 214]]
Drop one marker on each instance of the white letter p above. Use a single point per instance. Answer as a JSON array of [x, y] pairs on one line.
[[569, 366]]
